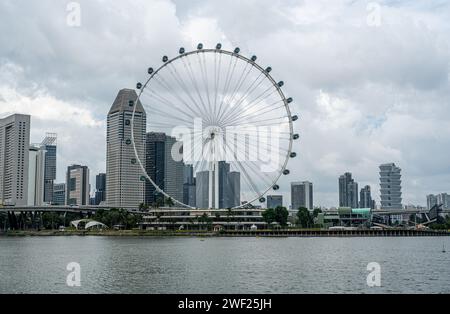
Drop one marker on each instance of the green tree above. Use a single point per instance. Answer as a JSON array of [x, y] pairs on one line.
[[169, 202], [304, 218], [316, 212], [269, 215], [51, 221], [279, 215]]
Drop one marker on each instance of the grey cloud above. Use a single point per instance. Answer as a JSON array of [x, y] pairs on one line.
[[388, 85]]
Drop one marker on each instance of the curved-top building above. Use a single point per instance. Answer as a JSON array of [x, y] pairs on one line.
[[124, 189]]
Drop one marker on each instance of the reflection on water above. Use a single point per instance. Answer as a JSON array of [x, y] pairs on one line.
[[223, 265]]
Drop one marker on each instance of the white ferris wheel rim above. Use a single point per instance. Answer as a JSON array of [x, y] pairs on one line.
[[236, 54]]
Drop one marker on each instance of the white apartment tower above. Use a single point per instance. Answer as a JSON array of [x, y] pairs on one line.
[[36, 169], [14, 152], [124, 187], [390, 186]]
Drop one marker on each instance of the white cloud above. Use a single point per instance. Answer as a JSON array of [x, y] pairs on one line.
[[365, 95]]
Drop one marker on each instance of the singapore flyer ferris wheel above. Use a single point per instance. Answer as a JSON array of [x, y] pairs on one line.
[[230, 123]]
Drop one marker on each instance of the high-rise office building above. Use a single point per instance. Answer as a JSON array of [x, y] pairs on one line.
[[234, 190], [166, 172], [302, 195], [100, 188], [173, 171], [155, 152], [365, 198], [14, 159], [124, 187], [189, 190], [36, 170], [77, 185], [442, 199], [224, 188], [49, 146], [431, 201], [390, 186], [202, 189], [42, 171], [274, 201], [59, 194], [229, 187], [348, 191]]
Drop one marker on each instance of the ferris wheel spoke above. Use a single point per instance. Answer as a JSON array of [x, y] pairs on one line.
[[168, 115], [168, 103], [181, 83], [217, 68], [255, 122], [261, 174], [170, 91], [248, 92], [257, 147], [267, 110], [226, 88], [252, 184], [239, 83], [251, 104], [194, 82], [204, 72]]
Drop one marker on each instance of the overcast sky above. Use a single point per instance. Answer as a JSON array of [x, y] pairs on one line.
[[370, 79]]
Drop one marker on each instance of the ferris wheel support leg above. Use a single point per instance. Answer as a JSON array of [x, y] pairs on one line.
[[216, 185], [210, 185]]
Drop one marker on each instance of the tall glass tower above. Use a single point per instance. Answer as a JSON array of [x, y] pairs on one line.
[[49, 145]]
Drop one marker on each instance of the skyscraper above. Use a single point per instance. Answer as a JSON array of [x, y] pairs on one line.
[[173, 171], [100, 187], [59, 194], [229, 187], [274, 201], [49, 146], [189, 191], [124, 187], [234, 191], [202, 189], [366, 200], [155, 152], [163, 169], [439, 199], [443, 199], [77, 185], [36, 170], [224, 188], [431, 201], [390, 186], [348, 191], [302, 195], [14, 159]]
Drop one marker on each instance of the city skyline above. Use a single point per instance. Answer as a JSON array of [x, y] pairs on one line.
[[349, 194], [373, 102]]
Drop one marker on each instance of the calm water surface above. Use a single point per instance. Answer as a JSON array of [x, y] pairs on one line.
[[224, 265]]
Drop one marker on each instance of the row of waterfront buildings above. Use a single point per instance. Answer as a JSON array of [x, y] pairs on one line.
[[28, 171], [349, 194]]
